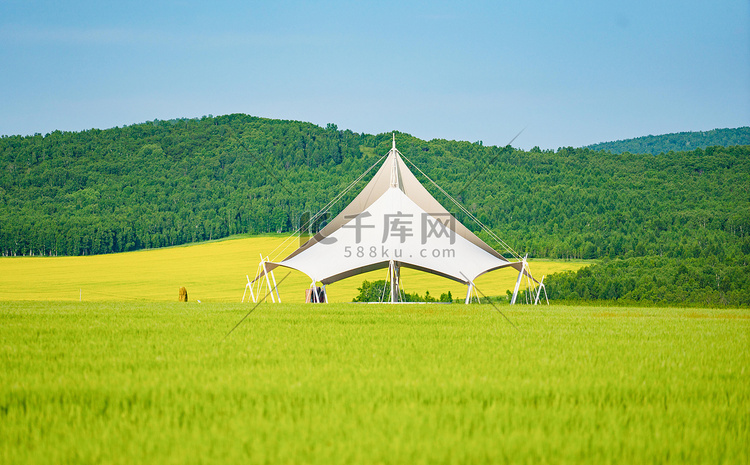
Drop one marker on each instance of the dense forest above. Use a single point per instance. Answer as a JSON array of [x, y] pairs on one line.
[[172, 182], [678, 142], [705, 282]]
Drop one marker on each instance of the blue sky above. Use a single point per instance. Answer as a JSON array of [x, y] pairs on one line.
[[566, 73]]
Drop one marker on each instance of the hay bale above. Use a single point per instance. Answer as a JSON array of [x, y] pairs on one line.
[[183, 295]]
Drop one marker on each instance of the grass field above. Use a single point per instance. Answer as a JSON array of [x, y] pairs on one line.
[[126, 376], [211, 272], [140, 382]]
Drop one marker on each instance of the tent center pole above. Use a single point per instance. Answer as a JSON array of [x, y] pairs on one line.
[[395, 275]]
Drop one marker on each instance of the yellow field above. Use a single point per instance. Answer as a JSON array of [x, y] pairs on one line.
[[211, 272]]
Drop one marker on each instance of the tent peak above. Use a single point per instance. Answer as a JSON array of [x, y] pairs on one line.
[[395, 171]]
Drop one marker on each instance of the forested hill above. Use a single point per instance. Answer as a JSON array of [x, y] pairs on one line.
[[678, 142], [165, 183]]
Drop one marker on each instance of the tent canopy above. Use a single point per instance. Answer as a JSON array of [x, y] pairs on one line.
[[394, 220]]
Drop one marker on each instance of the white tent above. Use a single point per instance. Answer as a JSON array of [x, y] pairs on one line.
[[395, 222]]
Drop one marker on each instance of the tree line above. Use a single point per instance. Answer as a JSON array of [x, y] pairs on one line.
[[164, 183], [678, 142], [657, 280]]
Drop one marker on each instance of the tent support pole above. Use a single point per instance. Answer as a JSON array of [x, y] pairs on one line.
[[259, 281], [518, 284], [395, 273], [530, 287], [275, 286], [472, 292], [259, 285], [539, 291], [311, 287], [249, 285], [538, 294], [397, 267], [518, 281], [390, 278], [268, 282], [385, 284]]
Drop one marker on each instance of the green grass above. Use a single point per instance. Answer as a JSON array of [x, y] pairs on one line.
[[348, 383]]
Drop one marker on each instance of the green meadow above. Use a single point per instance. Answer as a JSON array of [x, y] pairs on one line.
[[161, 382], [100, 364]]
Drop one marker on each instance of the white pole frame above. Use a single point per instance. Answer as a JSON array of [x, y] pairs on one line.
[[275, 286], [530, 286], [313, 294], [518, 281], [468, 293], [259, 282], [471, 290], [268, 282], [542, 287], [394, 272], [249, 285], [269, 289]]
